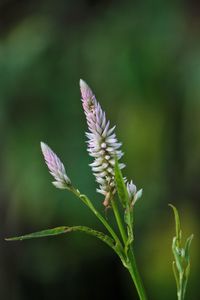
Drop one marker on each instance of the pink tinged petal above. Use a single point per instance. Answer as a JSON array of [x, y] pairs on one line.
[[98, 169], [89, 135], [100, 180], [122, 166], [119, 154], [117, 145], [133, 193], [96, 163], [98, 128], [59, 185], [103, 120], [103, 145], [101, 192], [110, 149], [107, 157], [112, 184], [86, 92], [101, 174], [110, 131], [95, 155], [110, 170], [111, 140], [112, 162], [104, 133]]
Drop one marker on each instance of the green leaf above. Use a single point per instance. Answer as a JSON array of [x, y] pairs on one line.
[[177, 222], [175, 274], [187, 272], [177, 255], [40, 234], [187, 247], [121, 187], [65, 229]]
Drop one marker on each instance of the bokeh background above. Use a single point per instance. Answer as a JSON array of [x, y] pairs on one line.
[[142, 59]]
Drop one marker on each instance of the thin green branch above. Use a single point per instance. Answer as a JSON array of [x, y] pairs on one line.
[[89, 204]]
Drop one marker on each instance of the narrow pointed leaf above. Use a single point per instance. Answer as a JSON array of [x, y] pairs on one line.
[[187, 247], [121, 187], [40, 234], [177, 222], [175, 274], [177, 256], [65, 229]]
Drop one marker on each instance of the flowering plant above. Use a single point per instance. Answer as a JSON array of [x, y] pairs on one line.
[[105, 149]]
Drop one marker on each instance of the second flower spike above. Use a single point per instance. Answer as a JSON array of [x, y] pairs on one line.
[[56, 168]]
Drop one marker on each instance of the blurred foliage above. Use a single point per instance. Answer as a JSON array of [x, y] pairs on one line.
[[142, 59]]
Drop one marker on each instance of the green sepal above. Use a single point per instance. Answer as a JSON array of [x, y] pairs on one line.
[[121, 187]]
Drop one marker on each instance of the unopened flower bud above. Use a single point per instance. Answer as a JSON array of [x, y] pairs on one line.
[[56, 168]]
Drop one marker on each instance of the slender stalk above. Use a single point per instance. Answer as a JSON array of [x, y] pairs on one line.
[[131, 265], [100, 217], [105, 223], [133, 270], [180, 292], [119, 221]]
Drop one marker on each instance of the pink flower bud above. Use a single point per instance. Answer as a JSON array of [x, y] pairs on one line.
[[56, 167]]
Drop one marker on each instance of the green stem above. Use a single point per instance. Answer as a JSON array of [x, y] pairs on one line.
[[105, 223], [132, 267], [133, 270], [180, 292], [119, 221], [98, 215]]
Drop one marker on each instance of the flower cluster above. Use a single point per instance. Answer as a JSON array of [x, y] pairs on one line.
[[102, 144]]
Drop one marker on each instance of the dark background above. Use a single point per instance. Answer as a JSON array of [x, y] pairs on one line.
[[142, 59]]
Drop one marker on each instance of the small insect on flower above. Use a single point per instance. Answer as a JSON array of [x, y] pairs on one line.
[[56, 168], [102, 144]]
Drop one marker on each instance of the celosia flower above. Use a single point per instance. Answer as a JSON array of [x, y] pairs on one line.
[[56, 168], [102, 143], [134, 195]]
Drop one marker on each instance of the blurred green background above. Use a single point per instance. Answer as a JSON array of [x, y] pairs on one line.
[[142, 59]]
